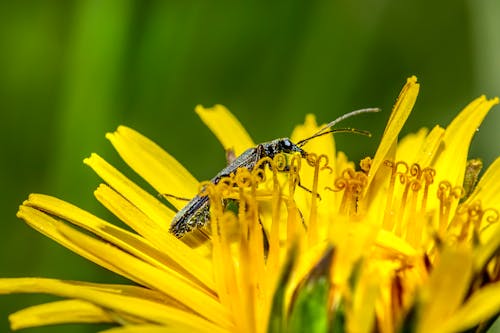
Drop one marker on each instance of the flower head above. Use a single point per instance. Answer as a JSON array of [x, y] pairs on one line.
[[407, 241]]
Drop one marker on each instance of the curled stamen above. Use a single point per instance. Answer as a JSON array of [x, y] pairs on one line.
[[295, 163], [491, 215], [338, 185], [387, 224], [244, 178], [458, 192], [403, 204], [361, 179], [389, 164], [348, 173], [226, 182], [265, 160], [365, 164], [342, 181], [312, 159], [227, 186], [293, 180], [259, 175], [444, 191], [415, 185], [428, 178], [293, 172], [403, 173], [445, 197], [469, 215], [398, 170], [316, 162], [404, 166], [327, 167], [428, 175], [448, 195], [280, 162], [415, 170], [352, 183], [475, 211], [206, 188]]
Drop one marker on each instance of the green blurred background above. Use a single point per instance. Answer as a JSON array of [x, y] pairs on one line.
[[72, 70]]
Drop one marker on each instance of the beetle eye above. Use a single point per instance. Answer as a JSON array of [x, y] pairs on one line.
[[287, 143]]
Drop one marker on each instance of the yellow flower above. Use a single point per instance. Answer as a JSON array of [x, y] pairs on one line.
[[406, 242]]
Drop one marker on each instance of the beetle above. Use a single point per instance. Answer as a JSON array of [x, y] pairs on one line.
[[196, 213]]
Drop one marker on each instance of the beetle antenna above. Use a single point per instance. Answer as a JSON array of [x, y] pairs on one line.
[[335, 130], [327, 128]]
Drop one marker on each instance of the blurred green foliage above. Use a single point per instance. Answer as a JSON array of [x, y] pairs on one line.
[[72, 70]]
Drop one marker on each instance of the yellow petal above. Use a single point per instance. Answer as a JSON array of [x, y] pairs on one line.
[[133, 306], [400, 113], [173, 252], [45, 225], [487, 189], [153, 329], [362, 316], [167, 281], [420, 147], [147, 203], [409, 146], [153, 164], [342, 162], [352, 240], [227, 129], [430, 146], [321, 145], [487, 192], [390, 241], [60, 312], [481, 306], [446, 289], [451, 161], [168, 250]]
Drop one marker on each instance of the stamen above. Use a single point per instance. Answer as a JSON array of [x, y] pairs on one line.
[[402, 211], [471, 220], [316, 162], [414, 228], [242, 186], [406, 181], [280, 162], [447, 195], [352, 183], [224, 276], [365, 164], [491, 216], [428, 175], [273, 257], [250, 252], [389, 211], [293, 178]]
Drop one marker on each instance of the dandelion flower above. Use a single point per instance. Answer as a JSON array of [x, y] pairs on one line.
[[405, 242]]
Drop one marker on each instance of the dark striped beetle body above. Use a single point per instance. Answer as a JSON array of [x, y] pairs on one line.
[[196, 213]]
